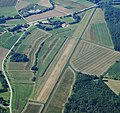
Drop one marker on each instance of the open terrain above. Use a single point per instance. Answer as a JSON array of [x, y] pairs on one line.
[[114, 85], [93, 59], [97, 31], [62, 92], [6, 3], [58, 65]]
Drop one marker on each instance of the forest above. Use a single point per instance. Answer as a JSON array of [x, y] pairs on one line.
[[91, 95]]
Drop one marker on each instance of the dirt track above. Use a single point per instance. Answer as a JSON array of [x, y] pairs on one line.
[[56, 68]]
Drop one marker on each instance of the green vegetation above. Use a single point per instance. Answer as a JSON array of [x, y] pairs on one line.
[[8, 11], [4, 90], [91, 95], [33, 108], [48, 52], [21, 93], [16, 21], [8, 39], [33, 1], [102, 36], [17, 57], [61, 94], [114, 71]]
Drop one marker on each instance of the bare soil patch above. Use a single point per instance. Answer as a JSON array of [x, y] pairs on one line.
[[45, 15]]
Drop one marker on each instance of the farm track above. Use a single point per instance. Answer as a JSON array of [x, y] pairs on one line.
[[60, 61]]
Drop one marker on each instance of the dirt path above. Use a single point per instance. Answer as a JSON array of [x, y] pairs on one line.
[[59, 65]]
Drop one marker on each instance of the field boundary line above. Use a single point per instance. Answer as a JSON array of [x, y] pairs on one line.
[[4, 71]]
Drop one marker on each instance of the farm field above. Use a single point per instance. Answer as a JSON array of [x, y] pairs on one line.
[[58, 65], [114, 85], [114, 71], [20, 96], [6, 3], [45, 3], [32, 107], [97, 31], [8, 39], [93, 59], [45, 15], [16, 21], [8, 11], [21, 4], [62, 92], [20, 77], [73, 5]]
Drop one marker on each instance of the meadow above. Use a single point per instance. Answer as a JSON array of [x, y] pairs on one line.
[[8, 39], [97, 31]]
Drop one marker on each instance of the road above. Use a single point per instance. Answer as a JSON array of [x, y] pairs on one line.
[[55, 71], [3, 70]]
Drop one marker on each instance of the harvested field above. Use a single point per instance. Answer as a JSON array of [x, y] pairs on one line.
[[45, 3], [21, 4], [3, 52], [45, 15], [62, 9], [6, 3], [93, 59], [21, 76], [16, 65], [97, 31], [62, 92], [114, 85], [32, 107]]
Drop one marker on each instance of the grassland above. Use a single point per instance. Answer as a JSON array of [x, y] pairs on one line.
[[20, 73], [6, 3], [114, 71], [8, 11], [93, 59], [97, 31], [8, 39], [61, 94], [16, 21], [21, 93], [33, 1]]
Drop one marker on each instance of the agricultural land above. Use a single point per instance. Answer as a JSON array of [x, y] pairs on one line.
[[59, 56]]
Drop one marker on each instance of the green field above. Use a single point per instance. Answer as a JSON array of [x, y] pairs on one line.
[[8, 11], [43, 64], [33, 1], [19, 76], [101, 34], [17, 21], [8, 39], [21, 93], [113, 72], [61, 94]]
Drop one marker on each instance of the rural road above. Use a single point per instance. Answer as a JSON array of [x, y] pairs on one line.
[[56, 71], [11, 93]]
